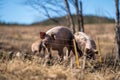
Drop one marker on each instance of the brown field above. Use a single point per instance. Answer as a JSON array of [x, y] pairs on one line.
[[19, 39]]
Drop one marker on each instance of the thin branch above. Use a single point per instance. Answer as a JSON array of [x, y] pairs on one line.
[[70, 16], [37, 6]]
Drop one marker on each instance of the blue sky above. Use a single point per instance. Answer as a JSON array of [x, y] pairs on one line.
[[15, 11]]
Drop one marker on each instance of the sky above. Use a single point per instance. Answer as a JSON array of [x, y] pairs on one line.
[[18, 11]]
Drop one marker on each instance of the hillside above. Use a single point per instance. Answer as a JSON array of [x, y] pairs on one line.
[[88, 19]]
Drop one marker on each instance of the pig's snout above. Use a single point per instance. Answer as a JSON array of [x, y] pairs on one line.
[[45, 43]]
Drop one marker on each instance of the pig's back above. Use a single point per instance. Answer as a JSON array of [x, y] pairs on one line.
[[61, 32]]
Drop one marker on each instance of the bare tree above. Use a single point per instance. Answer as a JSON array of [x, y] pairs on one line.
[[77, 12], [44, 7], [79, 15], [81, 28], [72, 25], [117, 28]]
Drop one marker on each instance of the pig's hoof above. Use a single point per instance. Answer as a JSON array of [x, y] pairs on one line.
[[48, 62], [61, 59]]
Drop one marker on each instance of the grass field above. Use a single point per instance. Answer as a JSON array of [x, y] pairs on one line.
[[19, 39]]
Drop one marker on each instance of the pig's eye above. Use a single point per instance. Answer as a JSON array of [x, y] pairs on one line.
[[47, 36]]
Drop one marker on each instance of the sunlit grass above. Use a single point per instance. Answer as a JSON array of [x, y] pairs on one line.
[[19, 39]]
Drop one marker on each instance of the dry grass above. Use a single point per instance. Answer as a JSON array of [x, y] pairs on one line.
[[19, 39]]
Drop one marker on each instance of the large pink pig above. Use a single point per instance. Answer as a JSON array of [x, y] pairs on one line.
[[56, 39]]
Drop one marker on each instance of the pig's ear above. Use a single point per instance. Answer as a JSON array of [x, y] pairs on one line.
[[53, 36], [42, 35]]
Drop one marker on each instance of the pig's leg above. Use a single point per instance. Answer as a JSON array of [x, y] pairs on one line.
[[42, 51], [48, 57], [61, 54], [68, 52], [49, 52], [80, 53]]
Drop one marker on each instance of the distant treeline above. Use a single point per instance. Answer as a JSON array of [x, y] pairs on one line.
[[88, 19], [11, 24]]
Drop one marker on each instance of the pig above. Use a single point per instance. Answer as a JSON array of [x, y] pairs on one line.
[[36, 48], [86, 44], [56, 39]]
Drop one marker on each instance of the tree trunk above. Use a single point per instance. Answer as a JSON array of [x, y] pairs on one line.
[[117, 29], [77, 13], [79, 16], [72, 25], [118, 41]]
